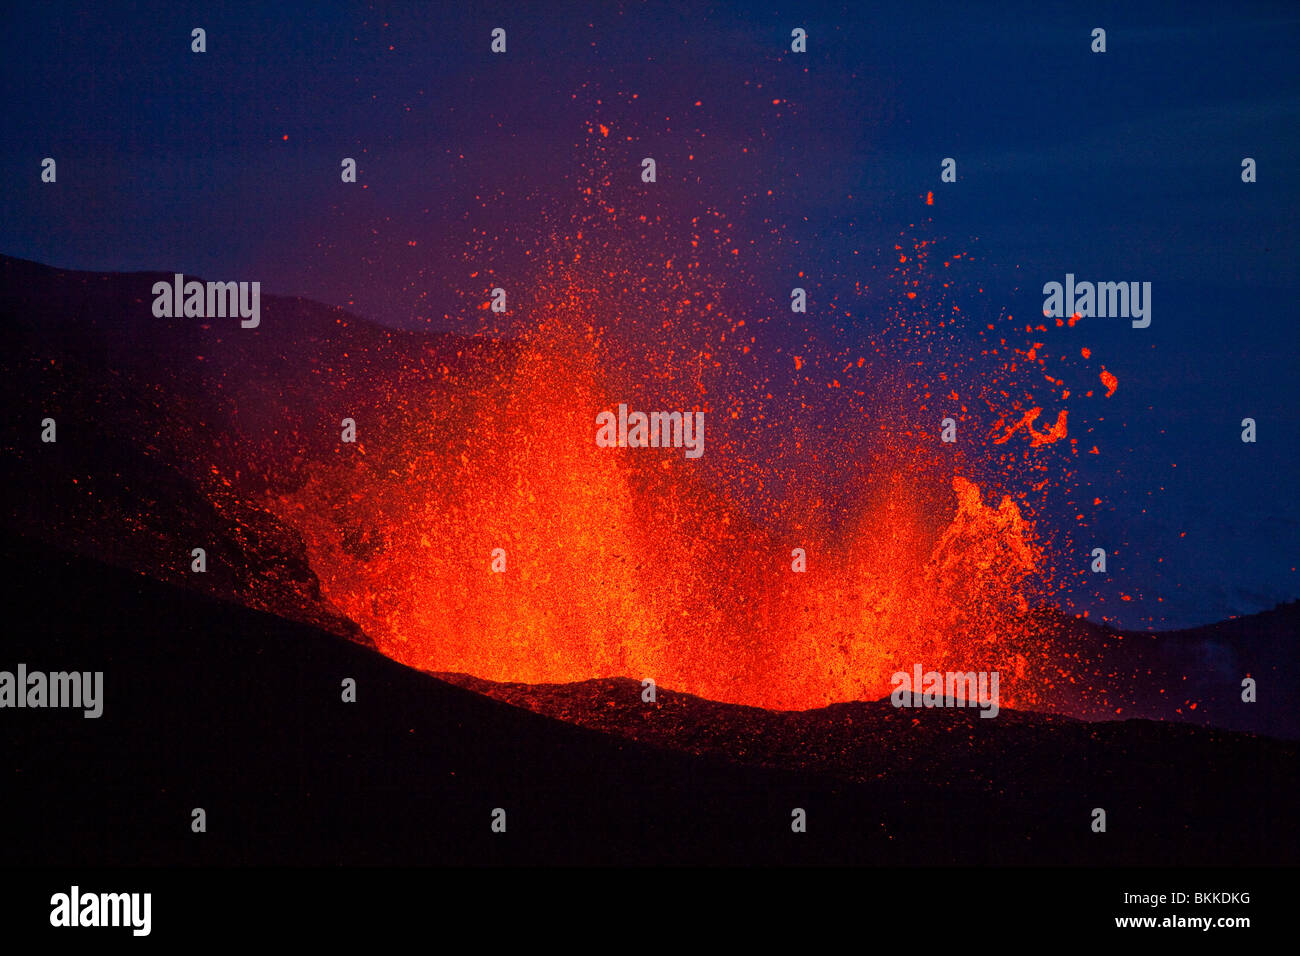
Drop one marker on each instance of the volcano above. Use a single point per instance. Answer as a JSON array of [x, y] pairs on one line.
[[177, 434], [374, 561]]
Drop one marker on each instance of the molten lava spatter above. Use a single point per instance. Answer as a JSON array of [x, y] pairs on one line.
[[826, 539], [622, 566]]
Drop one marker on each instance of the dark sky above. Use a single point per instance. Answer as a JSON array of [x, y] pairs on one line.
[[1122, 166]]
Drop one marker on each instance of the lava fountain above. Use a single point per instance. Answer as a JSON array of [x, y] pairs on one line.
[[496, 538], [826, 539]]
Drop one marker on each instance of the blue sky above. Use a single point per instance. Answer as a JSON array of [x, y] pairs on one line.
[[1122, 166]]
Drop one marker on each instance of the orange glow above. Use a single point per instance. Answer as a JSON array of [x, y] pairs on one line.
[[641, 563], [1054, 433], [624, 562]]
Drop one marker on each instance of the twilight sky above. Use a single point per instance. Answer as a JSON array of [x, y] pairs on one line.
[[1123, 166]]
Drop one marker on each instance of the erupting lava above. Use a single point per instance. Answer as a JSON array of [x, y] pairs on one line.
[[630, 562], [636, 562]]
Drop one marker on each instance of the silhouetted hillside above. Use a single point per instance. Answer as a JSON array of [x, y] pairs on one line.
[[207, 704]]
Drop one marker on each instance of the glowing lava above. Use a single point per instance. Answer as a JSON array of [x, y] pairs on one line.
[[626, 562], [638, 563]]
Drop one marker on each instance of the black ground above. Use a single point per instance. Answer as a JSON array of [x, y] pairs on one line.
[[211, 705]]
